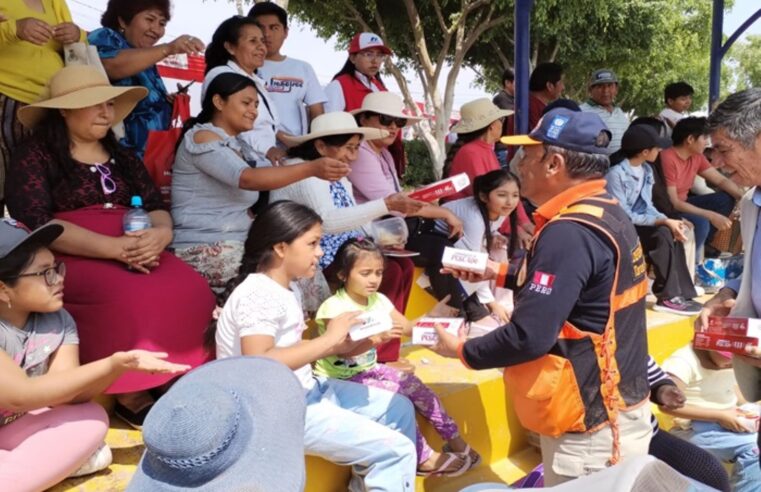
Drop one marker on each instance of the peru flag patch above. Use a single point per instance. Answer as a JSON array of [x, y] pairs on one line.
[[542, 283]]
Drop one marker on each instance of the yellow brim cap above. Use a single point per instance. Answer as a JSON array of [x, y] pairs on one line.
[[519, 140]]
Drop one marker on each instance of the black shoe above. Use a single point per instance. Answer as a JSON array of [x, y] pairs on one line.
[[133, 419]]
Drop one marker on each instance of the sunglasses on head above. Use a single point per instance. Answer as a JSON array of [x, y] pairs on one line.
[[386, 120]]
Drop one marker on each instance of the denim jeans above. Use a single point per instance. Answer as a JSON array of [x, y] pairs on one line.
[[719, 202], [502, 158], [738, 448], [370, 429]]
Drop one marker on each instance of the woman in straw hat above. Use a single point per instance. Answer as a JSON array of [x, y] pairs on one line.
[[215, 192], [337, 135], [479, 128], [373, 176], [123, 289], [31, 48]]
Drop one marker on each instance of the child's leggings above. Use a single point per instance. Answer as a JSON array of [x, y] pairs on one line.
[[426, 402], [45, 446]]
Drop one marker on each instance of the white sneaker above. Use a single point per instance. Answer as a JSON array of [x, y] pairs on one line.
[[97, 461], [700, 291]]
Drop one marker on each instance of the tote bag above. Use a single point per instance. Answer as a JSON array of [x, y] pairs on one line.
[[161, 145]]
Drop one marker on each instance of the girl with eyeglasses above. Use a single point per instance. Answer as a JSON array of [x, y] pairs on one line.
[[359, 77], [48, 428], [124, 289]]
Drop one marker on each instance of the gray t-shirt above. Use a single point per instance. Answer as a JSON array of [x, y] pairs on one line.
[[207, 204], [32, 346]]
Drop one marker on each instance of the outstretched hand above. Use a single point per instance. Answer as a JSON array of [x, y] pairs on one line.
[[145, 361], [448, 344]]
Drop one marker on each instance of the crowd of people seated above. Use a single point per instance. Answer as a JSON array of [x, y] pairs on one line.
[[276, 184]]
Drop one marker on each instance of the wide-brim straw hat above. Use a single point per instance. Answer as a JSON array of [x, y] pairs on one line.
[[232, 424], [81, 86], [385, 103], [335, 123], [479, 114]]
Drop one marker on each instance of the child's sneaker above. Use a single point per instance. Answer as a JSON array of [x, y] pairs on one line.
[[99, 460], [678, 305]]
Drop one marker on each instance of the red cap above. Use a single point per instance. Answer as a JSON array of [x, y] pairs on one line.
[[365, 41]]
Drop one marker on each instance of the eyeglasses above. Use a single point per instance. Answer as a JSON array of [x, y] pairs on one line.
[[51, 275], [106, 182], [373, 55], [386, 120]]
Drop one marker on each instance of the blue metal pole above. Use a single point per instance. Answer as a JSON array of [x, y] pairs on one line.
[[745, 25], [522, 55], [717, 28]]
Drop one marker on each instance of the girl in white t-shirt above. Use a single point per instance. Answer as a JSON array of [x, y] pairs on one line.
[[711, 418], [370, 429]]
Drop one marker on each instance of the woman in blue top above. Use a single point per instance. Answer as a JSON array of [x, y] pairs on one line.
[[127, 47]]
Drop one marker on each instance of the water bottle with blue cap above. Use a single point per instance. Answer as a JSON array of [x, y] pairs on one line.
[[136, 219]]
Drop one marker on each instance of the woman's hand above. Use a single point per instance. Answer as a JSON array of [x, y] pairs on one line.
[[670, 397], [145, 361], [400, 202], [150, 243], [186, 44], [394, 333], [329, 169], [276, 155], [34, 31], [730, 420], [719, 305], [525, 238], [66, 33], [498, 310]]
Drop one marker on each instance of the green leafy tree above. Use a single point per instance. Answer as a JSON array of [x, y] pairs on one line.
[[742, 67]]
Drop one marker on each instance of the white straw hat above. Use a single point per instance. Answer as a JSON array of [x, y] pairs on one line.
[[385, 103], [335, 123], [478, 114], [81, 86]]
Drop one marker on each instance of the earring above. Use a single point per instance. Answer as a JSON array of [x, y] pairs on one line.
[[9, 305]]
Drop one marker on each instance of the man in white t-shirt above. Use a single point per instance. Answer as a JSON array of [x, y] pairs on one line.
[[291, 83]]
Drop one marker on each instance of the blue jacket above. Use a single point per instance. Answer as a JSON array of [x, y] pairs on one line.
[[623, 184]]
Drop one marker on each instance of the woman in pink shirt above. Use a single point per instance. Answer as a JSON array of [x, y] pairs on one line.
[[479, 128]]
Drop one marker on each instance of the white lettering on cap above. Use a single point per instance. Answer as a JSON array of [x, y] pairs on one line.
[[556, 126]]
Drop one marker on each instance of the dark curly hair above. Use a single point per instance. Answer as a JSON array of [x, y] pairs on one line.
[[126, 10]]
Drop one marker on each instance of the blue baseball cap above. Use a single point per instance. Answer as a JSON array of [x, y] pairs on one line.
[[572, 130]]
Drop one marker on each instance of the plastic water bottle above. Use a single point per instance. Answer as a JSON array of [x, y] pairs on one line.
[[137, 218]]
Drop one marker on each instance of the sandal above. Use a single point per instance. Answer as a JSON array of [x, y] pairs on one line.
[[441, 471], [133, 419], [475, 458]]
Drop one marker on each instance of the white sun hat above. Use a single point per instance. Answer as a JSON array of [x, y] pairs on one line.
[[335, 123]]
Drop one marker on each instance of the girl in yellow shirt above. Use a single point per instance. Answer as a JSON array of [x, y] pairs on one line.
[[32, 36]]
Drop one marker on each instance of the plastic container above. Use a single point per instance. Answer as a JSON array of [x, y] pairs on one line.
[[390, 232], [136, 219]]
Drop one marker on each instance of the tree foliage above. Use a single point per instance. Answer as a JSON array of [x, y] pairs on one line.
[[742, 68], [648, 43]]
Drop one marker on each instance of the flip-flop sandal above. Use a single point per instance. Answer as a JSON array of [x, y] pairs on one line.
[[475, 458], [441, 471]]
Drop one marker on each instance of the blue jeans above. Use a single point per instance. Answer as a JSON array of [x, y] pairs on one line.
[[370, 429], [719, 202], [502, 158], [738, 448]]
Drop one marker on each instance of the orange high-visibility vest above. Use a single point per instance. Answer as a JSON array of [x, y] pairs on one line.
[[588, 377]]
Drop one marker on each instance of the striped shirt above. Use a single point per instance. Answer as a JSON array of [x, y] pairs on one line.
[[617, 122], [656, 377]]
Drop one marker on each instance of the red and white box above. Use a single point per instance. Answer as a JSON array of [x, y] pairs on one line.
[[728, 334], [424, 333], [441, 189], [372, 324], [463, 259]]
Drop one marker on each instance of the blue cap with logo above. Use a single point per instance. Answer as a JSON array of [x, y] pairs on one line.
[[572, 130]]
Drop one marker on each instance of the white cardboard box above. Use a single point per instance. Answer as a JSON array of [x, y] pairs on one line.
[[463, 259], [423, 333], [372, 324]]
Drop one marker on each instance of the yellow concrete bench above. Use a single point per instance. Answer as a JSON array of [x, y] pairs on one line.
[[475, 399]]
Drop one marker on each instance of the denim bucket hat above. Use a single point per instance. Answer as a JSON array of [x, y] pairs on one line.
[[230, 425]]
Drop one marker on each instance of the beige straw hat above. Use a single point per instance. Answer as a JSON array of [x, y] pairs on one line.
[[335, 123], [386, 103], [81, 86], [478, 114]]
